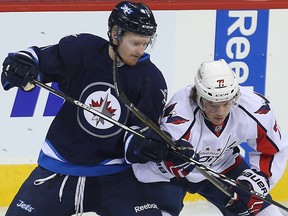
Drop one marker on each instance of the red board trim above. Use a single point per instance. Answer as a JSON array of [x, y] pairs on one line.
[[107, 5]]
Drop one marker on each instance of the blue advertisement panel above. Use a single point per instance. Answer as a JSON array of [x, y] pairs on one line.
[[25, 103], [241, 39]]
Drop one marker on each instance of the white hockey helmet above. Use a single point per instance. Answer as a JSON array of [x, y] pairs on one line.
[[215, 81]]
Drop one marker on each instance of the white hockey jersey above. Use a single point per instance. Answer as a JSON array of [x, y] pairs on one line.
[[252, 121]]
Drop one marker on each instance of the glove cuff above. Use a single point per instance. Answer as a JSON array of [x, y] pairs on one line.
[[164, 170]]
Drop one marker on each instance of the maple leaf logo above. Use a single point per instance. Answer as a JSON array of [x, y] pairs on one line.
[[103, 106]]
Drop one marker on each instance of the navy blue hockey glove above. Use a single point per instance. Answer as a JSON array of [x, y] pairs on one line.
[[18, 71], [178, 166], [246, 204], [152, 148]]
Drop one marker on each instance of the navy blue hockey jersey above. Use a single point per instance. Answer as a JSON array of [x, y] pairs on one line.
[[78, 142]]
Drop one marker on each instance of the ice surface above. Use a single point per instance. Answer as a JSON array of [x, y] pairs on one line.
[[199, 208]]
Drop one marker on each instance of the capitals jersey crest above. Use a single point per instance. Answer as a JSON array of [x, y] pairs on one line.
[[172, 116], [265, 108]]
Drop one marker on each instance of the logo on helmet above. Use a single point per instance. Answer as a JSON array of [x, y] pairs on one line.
[[221, 83], [145, 12], [221, 95], [147, 27], [126, 9]]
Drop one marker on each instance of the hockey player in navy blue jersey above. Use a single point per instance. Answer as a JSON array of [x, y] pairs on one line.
[[81, 165], [214, 116]]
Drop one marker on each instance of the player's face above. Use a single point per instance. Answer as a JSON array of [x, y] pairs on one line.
[[132, 47], [216, 112]]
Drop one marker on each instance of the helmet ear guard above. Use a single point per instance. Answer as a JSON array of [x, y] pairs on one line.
[[216, 82], [114, 35]]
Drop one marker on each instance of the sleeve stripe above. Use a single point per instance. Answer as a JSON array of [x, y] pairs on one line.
[[267, 149]]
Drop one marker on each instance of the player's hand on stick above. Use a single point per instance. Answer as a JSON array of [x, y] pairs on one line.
[[247, 204], [151, 148], [19, 70], [178, 166]]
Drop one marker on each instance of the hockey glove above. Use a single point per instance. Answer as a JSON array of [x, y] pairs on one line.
[[247, 204], [177, 166], [140, 150], [18, 71]]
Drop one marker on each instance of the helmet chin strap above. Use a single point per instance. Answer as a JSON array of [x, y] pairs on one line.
[[117, 55], [204, 115], [119, 32]]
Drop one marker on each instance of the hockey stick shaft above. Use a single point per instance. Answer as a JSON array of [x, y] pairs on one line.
[[60, 94], [99, 114], [86, 107]]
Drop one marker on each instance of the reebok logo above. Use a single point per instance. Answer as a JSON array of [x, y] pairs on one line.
[[24, 206], [145, 207]]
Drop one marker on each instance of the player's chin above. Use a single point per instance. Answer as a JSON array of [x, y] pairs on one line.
[[132, 61], [217, 121]]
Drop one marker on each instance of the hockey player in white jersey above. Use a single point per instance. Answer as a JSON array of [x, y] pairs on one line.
[[215, 116]]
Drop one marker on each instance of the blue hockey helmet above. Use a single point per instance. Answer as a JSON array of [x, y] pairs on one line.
[[133, 17]]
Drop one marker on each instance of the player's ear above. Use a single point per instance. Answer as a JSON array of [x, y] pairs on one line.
[[115, 38], [116, 32]]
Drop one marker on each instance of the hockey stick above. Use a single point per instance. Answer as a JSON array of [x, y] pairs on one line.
[[220, 185], [184, 157], [99, 114], [210, 174]]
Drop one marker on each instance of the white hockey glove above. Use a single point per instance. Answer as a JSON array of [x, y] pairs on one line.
[[247, 204]]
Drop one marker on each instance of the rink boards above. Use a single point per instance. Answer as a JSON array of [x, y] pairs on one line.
[[254, 42]]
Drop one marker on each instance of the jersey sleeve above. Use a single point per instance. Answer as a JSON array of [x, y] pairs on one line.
[[63, 62], [270, 144], [151, 172], [177, 119]]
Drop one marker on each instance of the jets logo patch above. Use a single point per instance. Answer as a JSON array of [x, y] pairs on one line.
[[101, 97]]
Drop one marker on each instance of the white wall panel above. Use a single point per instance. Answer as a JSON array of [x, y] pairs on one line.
[[185, 39]]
